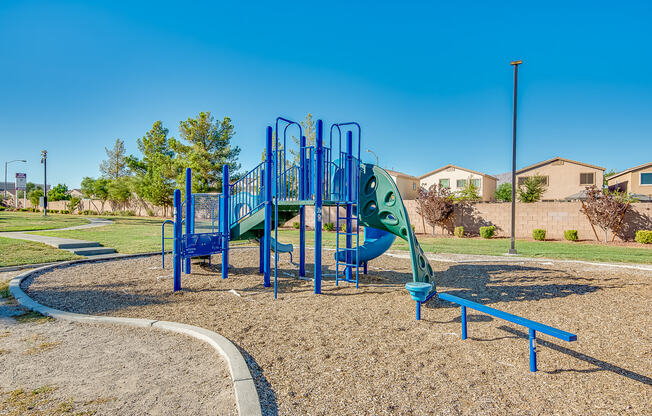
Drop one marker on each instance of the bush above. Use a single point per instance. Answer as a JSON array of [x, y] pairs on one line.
[[150, 212], [570, 235], [89, 212], [65, 211], [329, 226], [459, 231], [487, 232], [539, 234], [644, 236], [296, 225]]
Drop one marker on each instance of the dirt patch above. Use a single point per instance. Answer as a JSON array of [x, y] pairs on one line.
[[361, 351], [56, 367]]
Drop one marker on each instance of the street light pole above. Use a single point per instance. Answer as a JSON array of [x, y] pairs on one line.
[[512, 249], [44, 160], [373, 153], [5, 185]]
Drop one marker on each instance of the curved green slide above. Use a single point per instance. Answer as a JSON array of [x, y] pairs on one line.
[[380, 206]]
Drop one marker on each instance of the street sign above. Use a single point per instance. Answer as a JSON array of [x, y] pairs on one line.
[[21, 181]]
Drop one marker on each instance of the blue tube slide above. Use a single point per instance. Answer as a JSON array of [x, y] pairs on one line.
[[376, 242]]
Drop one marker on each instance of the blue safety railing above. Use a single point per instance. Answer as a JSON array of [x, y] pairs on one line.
[[532, 326], [246, 194], [163, 238]]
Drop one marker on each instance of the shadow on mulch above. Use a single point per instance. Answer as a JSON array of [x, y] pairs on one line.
[[266, 394], [601, 365]]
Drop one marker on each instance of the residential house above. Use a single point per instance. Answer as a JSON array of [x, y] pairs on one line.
[[636, 180], [408, 185], [457, 178], [563, 177]]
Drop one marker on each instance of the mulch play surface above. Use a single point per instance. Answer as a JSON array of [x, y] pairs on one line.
[[361, 351]]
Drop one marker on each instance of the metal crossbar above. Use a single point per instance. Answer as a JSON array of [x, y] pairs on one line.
[[531, 325]]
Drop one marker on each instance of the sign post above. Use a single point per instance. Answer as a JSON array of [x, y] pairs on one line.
[[20, 184]]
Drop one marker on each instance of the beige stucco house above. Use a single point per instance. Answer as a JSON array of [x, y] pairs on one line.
[[457, 178], [636, 180], [563, 177], [407, 185]]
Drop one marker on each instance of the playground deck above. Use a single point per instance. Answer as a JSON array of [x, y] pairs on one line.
[[361, 351]]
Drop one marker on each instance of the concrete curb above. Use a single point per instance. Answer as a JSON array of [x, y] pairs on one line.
[[246, 396]]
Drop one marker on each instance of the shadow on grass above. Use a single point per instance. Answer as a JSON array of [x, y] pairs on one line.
[[601, 365]]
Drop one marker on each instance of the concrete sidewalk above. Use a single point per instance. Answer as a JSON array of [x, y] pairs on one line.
[[79, 247]]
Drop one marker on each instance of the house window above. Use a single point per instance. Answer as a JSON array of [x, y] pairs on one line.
[[445, 183], [475, 182], [646, 178], [587, 178], [461, 183], [414, 186]]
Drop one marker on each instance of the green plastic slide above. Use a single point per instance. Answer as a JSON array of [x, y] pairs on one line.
[[381, 206]]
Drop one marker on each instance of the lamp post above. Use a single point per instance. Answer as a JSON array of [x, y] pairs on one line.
[[512, 249], [373, 153], [6, 163], [44, 160]]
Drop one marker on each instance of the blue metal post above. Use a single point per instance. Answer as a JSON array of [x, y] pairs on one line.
[[418, 311], [261, 247], [188, 211], [533, 350], [319, 186], [267, 239], [349, 206], [226, 226], [463, 318], [176, 248], [302, 209]]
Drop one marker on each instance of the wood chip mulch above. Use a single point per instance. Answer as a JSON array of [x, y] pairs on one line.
[[361, 352]]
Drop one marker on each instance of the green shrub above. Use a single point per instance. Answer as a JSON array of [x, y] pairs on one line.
[[65, 211], [296, 225], [2, 208], [644, 236], [329, 226], [150, 212], [487, 232], [570, 235], [459, 231], [539, 234]]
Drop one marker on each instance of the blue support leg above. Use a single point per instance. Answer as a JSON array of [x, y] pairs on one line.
[[533, 350], [176, 248], [463, 319], [268, 209], [302, 210], [188, 211], [226, 228], [319, 186], [261, 250], [418, 311]]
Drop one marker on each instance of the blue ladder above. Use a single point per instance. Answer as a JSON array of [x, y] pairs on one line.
[[351, 259]]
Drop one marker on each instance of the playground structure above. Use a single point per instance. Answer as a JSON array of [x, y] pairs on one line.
[[279, 188], [320, 175]]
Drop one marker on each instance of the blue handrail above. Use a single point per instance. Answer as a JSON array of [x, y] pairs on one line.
[[531, 325], [163, 238]]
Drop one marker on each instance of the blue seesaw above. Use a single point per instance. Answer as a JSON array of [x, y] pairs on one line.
[[422, 292]]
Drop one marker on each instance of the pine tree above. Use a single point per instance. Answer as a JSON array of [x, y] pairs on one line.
[[116, 164], [208, 150]]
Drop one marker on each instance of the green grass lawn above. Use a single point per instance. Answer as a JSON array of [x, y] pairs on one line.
[[31, 221], [138, 235], [499, 246], [126, 234], [16, 252]]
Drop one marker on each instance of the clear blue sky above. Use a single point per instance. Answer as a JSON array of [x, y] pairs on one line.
[[430, 83]]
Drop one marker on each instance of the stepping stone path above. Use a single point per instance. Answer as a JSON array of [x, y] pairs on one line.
[[79, 247]]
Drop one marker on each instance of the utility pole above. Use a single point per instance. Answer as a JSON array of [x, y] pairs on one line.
[[44, 160], [512, 249]]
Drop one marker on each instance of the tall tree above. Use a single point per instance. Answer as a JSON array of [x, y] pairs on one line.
[[207, 150], [436, 205], [115, 166], [155, 173]]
